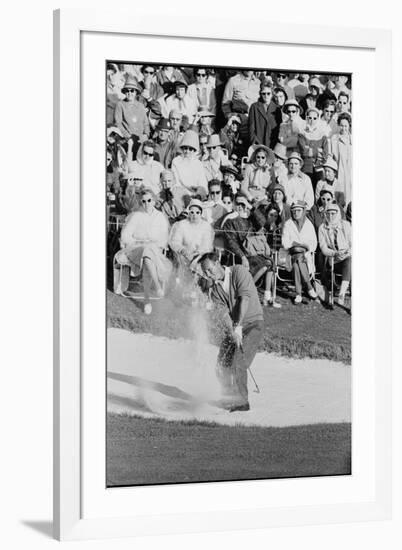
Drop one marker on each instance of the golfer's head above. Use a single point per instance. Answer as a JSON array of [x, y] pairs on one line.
[[211, 267]]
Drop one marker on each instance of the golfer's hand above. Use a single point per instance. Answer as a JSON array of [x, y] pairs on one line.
[[238, 336], [244, 262]]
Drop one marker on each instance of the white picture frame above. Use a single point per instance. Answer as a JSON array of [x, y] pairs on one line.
[[77, 488]]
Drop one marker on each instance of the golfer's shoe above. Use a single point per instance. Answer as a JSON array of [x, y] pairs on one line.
[[148, 309], [236, 408], [298, 299]]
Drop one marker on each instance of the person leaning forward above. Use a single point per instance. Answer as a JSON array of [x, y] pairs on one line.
[[234, 289]]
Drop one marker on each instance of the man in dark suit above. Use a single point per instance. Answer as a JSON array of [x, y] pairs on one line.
[[264, 118]]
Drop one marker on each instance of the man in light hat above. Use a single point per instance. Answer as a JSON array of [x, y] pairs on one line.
[[289, 131], [264, 118], [202, 92], [181, 102], [130, 115], [233, 288], [298, 186], [188, 169], [216, 159], [330, 182]]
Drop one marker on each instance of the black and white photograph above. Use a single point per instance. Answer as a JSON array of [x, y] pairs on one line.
[[229, 273]]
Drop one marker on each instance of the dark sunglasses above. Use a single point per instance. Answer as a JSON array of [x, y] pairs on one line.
[[260, 157], [147, 154], [292, 110], [186, 148], [329, 111], [266, 93], [144, 201], [213, 147], [201, 74], [281, 76], [149, 72], [215, 192], [130, 91], [312, 118]]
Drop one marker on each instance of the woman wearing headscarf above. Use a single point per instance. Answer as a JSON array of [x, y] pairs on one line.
[[300, 240], [289, 131], [335, 238], [188, 169], [278, 198], [313, 143], [258, 174], [341, 150], [143, 239]]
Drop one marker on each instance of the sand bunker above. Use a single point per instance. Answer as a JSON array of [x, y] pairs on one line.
[[175, 379]]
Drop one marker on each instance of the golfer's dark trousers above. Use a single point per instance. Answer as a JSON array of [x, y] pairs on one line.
[[233, 362]]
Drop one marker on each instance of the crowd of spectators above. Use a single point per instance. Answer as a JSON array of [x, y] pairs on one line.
[[249, 161]]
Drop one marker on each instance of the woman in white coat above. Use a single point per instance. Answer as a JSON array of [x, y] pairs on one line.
[[299, 238]]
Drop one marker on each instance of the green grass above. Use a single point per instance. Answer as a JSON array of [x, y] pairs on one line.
[[155, 451], [308, 330]]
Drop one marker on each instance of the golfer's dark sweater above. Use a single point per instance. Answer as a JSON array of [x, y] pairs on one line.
[[240, 284]]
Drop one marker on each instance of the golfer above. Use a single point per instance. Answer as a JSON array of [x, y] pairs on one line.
[[233, 288]]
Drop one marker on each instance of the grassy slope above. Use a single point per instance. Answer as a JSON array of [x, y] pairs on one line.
[[153, 451], [307, 330]]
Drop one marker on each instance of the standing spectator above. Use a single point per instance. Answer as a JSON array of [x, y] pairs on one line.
[[231, 139], [328, 118], [151, 89], [264, 118], [258, 174], [163, 146], [216, 159], [343, 103], [335, 237], [188, 169], [314, 91], [341, 150], [130, 115], [313, 144], [241, 90], [169, 74], [298, 187], [289, 131], [181, 102], [300, 240], [202, 92], [281, 81]]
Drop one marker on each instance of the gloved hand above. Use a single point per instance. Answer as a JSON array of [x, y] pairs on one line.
[[238, 335]]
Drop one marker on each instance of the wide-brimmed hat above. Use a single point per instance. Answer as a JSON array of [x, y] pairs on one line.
[[242, 200], [228, 168], [197, 203], [205, 112], [297, 156], [131, 83], [190, 139], [280, 151], [289, 103], [114, 130], [163, 124], [179, 84], [270, 154], [298, 204], [214, 141], [330, 163], [332, 207]]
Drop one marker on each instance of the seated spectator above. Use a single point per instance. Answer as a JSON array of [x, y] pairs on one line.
[[330, 182], [231, 139], [280, 98], [188, 170], [171, 201], [149, 168], [202, 92], [300, 240], [317, 213], [130, 115], [235, 228], [151, 89], [230, 182], [278, 199], [280, 164], [313, 144], [335, 238], [213, 207], [203, 123], [163, 146], [264, 118], [191, 237], [298, 186], [227, 201], [216, 159], [130, 196], [289, 131], [343, 103], [143, 240], [258, 174], [203, 154], [181, 102]]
